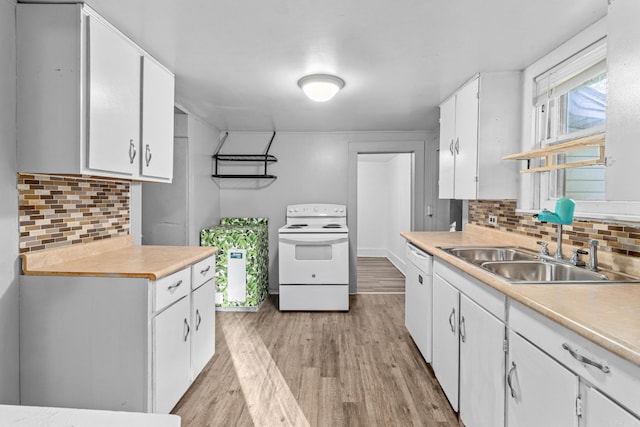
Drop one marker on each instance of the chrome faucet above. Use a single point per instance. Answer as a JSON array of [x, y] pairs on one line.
[[593, 255], [559, 247]]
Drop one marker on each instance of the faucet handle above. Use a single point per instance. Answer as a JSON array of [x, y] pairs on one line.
[[575, 259], [544, 250]]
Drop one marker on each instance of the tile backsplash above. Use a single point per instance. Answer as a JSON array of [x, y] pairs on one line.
[[614, 237], [59, 210]]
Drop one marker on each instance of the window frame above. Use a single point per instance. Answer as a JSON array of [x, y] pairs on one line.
[[534, 188]]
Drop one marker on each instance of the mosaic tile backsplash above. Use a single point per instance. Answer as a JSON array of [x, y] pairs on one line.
[[617, 238], [56, 211]]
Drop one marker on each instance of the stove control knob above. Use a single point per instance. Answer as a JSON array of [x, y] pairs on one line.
[[315, 209]]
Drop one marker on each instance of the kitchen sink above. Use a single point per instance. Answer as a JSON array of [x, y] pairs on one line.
[[540, 271], [522, 266], [479, 255]]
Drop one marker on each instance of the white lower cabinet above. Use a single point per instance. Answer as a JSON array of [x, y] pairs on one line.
[[600, 411], [446, 345], [540, 391], [125, 344], [468, 346], [171, 355], [203, 321], [482, 365]]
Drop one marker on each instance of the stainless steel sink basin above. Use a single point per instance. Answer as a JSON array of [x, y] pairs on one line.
[[479, 255], [539, 271]]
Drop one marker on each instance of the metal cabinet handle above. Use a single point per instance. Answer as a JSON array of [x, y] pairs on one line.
[[463, 330], [580, 358], [198, 319], [147, 155], [175, 285], [457, 147], [187, 330], [451, 147], [452, 323], [512, 370], [132, 151], [205, 271]]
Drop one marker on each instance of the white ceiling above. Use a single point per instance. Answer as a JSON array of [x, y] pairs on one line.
[[237, 62]]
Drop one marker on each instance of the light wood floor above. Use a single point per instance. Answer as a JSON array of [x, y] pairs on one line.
[[359, 368], [379, 275]]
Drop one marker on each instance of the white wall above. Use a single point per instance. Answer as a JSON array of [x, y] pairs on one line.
[[204, 194], [384, 205], [9, 264], [311, 168], [373, 200]]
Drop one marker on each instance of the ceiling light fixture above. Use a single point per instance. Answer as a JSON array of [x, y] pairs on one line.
[[320, 87]]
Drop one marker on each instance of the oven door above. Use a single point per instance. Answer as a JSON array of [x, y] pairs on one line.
[[313, 259]]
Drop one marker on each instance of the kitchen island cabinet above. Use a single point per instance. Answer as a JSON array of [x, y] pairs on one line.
[[113, 340], [102, 105]]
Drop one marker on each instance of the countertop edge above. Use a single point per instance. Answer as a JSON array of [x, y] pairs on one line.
[[615, 346]]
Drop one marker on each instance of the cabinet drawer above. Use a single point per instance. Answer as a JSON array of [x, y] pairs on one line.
[[171, 288], [622, 380], [485, 296], [203, 271]]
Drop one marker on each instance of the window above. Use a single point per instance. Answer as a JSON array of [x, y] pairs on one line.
[[570, 103]]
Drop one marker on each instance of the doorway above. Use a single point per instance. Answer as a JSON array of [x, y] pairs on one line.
[[384, 210], [414, 151]]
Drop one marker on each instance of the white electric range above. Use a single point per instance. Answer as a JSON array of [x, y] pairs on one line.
[[314, 258]]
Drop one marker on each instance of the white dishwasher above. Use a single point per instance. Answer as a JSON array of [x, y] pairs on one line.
[[418, 298]]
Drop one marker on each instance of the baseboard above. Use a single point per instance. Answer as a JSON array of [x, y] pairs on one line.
[[396, 261], [373, 252]]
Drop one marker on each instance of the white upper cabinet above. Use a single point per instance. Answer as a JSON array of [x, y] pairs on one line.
[[90, 101], [157, 121], [479, 124], [114, 100], [623, 99]]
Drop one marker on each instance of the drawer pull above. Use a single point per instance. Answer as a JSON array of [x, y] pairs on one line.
[[452, 320], [187, 330], [175, 285], [512, 370], [580, 358], [463, 330], [206, 270], [198, 319]]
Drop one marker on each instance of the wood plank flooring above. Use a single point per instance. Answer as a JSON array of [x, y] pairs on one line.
[[359, 368], [379, 275]]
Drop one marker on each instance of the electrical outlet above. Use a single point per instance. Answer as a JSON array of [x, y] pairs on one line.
[[493, 220]]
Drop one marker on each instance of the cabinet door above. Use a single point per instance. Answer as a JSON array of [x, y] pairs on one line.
[[600, 411], [203, 340], [482, 361], [417, 313], [466, 144], [540, 391], [157, 120], [171, 355], [114, 101], [445, 338], [447, 142]]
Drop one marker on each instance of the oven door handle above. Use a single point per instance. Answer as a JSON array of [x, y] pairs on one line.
[[312, 242]]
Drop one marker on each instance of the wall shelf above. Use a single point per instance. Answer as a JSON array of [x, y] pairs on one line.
[[264, 159], [566, 147]]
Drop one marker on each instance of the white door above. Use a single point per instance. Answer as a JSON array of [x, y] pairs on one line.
[[157, 120], [540, 391], [417, 315], [203, 321], [114, 101], [447, 142], [466, 144], [600, 411], [482, 362], [314, 259], [445, 338], [171, 355]]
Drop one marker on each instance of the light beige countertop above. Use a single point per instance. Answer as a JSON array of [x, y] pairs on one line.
[[113, 257], [608, 315]]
